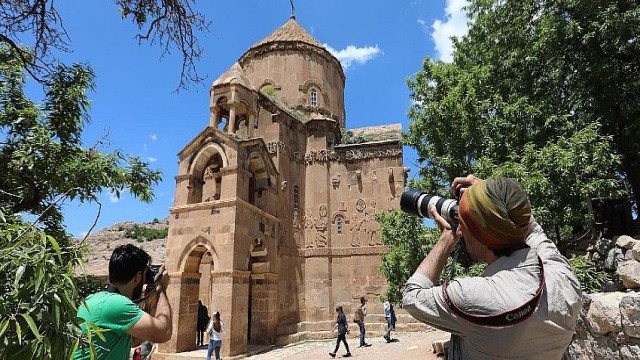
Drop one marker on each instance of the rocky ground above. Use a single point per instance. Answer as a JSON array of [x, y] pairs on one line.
[[103, 241]]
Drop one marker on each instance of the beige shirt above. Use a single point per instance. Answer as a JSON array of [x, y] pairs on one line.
[[507, 283]]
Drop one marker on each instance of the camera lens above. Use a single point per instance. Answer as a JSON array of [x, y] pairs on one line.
[[417, 203]]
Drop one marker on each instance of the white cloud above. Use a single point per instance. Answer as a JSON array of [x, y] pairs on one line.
[[113, 198], [152, 159], [82, 234], [153, 137], [351, 54], [455, 25]]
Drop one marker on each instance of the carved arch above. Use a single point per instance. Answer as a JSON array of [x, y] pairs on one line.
[[204, 154], [195, 250]]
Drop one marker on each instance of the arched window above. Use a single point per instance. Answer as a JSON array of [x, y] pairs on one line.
[[296, 197], [313, 97], [339, 224]]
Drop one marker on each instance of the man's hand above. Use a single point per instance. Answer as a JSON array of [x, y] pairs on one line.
[[447, 237], [463, 183]]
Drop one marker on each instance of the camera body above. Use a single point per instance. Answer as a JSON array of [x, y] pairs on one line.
[[151, 274], [415, 202]]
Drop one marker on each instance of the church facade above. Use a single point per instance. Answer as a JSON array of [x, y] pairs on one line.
[[273, 221]]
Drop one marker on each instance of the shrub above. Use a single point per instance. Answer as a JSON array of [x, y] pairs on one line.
[[591, 279]]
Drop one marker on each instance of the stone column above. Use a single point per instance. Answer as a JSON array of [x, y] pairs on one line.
[[232, 119], [214, 119], [229, 296], [264, 308], [183, 298], [252, 124]]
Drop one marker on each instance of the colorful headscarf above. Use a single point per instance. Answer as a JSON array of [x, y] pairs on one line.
[[497, 212]]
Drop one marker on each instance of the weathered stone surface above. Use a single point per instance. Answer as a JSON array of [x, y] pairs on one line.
[[630, 352], [614, 256], [603, 245], [606, 348], [604, 313], [626, 242], [629, 272], [635, 251], [630, 314]]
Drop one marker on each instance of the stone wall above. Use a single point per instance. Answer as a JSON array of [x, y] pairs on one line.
[[609, 325]]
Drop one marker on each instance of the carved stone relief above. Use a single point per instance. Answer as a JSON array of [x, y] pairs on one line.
[[372, 225], [356, 225], [335, 182], [325, 155], [308, 225], [321, 226], [296, 228]]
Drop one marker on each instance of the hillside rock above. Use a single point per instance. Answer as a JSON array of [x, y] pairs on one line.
[[102, 243]]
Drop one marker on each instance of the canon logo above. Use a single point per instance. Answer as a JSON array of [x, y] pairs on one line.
[[519, 314]]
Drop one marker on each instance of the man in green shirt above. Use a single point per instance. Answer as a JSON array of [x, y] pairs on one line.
[[114, 314]]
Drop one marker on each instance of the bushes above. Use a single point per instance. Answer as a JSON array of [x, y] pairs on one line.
[[38, 293], [141, 233], [591, 279]]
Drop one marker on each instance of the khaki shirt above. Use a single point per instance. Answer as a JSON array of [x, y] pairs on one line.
[[507, 283]]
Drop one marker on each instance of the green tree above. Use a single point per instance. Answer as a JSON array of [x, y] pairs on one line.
[[38, 298], [511, 104]]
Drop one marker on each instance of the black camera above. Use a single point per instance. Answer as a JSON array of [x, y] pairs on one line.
[[417, 203], [151, 274]]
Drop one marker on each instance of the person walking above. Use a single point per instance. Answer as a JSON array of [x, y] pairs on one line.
[[343, 330], [362, 314], [202, 321], [390, 316], [215, 330]]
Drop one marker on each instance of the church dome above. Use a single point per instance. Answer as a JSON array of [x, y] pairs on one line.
[[300, 69], [235, 75]]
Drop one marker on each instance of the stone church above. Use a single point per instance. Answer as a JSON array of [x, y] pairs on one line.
[[273, 221]]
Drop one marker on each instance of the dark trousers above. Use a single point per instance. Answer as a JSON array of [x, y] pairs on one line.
[[200, 337], [342, 337], [362, 332]]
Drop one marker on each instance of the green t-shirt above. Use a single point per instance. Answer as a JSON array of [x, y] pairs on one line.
[[114, 313]]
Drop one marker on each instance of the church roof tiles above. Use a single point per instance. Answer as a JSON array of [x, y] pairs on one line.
[[290, 31]]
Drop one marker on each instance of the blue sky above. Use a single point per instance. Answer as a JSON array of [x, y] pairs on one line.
[[134, 106]]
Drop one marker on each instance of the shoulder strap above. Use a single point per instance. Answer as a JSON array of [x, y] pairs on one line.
[[507, 318]]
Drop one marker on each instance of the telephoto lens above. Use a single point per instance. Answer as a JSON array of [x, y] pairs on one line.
[[417, 203]]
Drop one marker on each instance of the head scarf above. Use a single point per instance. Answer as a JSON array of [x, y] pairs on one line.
[[497, 212]]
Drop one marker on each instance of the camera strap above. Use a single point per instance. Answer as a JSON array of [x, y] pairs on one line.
[[507, 318]]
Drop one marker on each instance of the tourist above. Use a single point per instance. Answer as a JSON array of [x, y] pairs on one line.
[[116, 313], [527, 302], [343, 330], [215, 330], [202, 321], [390, 316], [362, 313]]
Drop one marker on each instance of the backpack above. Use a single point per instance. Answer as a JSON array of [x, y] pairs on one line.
[[357, 317]]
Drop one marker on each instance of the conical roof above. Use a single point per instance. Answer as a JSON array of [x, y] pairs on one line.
[[235, 75], [290, 31]]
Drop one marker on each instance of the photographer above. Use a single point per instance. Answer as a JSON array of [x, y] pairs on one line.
[[526, 303], [123, 324]]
